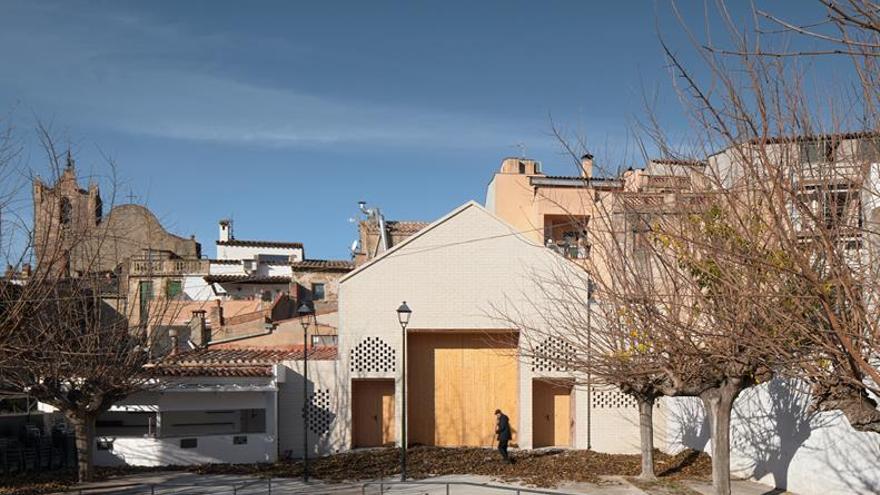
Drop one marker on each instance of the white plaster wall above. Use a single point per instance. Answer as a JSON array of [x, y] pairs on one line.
[[323, 375], [460, 274], [225, 252], [196, 289], [778, 441], [146, 451], [226, 269], [161, 451]]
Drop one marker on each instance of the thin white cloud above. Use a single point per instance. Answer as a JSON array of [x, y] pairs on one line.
[[123, 72]]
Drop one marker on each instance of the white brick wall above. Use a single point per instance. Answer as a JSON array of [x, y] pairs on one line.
[[461, 273], [322, 376]]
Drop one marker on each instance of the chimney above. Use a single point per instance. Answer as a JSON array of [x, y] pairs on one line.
[[10, 272], [587, 166], [200, 326], [26, 270], [226, 230], [175, 341]]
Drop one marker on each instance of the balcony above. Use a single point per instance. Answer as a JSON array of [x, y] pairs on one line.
[[168, 267], [570, 250]]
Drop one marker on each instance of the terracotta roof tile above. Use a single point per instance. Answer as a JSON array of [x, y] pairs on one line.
[[237, 362], [399, 227], [216, 370], [677, 161], [814, 137], [247, 279], [323, 265], [278, 244]]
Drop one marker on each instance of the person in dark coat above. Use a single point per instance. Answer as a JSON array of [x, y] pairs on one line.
[[502, 431]]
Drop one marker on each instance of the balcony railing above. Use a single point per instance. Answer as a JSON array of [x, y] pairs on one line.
[[168, 267], [571, 251]]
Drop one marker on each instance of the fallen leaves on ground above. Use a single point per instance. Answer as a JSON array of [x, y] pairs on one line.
[[543, 468]]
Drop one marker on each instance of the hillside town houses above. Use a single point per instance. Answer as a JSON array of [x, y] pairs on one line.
[[231, 388]]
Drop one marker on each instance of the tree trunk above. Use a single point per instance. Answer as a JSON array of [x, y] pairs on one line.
[[646, 435], [719, 405], [84, 430]]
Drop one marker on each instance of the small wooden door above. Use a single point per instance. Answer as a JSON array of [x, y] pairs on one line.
[[551, 414], [372, 413]]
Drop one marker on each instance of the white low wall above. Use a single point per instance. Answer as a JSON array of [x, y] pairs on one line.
[[777, 440], [137, 451]]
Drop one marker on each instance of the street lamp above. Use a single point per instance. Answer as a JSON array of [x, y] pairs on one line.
[[403, 314], [305, 313]]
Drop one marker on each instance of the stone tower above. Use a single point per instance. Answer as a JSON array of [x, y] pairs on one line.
[[64, 214]]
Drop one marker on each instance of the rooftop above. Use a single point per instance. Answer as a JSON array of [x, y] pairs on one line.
[[237, 362], [399, 227], [323, 265], [246, 279], [275, 244]]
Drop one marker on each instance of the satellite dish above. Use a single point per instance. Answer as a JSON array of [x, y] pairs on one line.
[[354, 246]]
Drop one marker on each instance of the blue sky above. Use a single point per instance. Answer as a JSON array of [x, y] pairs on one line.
[[282, 115]]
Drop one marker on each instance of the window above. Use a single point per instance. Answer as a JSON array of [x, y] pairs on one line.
[[146, 295], [317, 292], [869, 150], [818, 151], [324, 340], [66, 209], [522, 167], [125, 424], [189, 443], [227, 422], [174, 288], [842, 208], [17, 405], [239, 440]]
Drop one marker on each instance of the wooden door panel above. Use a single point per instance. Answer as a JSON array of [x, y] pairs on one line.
[[551, 413], [456, 382], [372, 412]]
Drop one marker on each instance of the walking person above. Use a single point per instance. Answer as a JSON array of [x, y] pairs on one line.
[[502, 432]]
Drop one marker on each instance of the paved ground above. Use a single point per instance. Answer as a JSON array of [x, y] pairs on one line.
[[175, 483]]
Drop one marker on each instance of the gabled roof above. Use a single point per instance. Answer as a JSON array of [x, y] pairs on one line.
[[433, 225]]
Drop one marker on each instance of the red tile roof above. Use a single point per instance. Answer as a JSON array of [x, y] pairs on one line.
[[246, 279], [814, 137], [278, 244], [237, 362], [220, 371], [323, 265], [399, 227], [678, 161]]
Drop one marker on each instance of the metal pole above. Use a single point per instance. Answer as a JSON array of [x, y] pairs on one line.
[[305, 401], [589, 363], [403, 440]]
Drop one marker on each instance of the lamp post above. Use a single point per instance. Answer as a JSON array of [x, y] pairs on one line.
[[403, 314], [306, 313]]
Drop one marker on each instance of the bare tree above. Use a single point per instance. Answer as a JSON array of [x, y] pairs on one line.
[[70, 336]]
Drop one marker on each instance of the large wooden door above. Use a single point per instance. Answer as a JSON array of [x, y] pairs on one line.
[[372, 412], [551, 413], [456, 381]]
